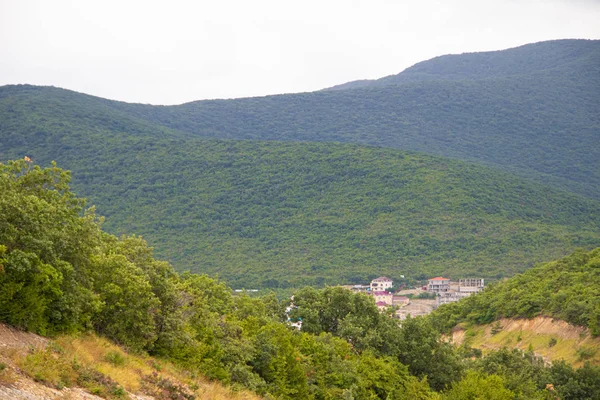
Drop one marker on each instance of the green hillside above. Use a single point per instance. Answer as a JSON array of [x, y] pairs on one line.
[[567, 289], [536, 113], [269, 214], [61, 274], [550, 56], [268, 211]]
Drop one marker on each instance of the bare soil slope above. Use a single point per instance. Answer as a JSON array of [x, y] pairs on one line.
[[550, 338], [36, 368]]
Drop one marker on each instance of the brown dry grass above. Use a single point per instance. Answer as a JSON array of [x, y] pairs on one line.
[[61, 362], [131, 370], [568, 341]]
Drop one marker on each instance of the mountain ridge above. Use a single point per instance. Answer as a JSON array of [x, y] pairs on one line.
[[544, 125], [524, 59]]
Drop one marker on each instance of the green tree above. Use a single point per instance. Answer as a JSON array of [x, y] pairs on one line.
[[426, 355], [129, 306], [477, 386], [48, 239]]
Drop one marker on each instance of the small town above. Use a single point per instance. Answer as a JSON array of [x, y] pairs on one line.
[[421, 300]]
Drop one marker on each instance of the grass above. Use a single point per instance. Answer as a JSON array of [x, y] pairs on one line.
[[575, 351], [106, 370]]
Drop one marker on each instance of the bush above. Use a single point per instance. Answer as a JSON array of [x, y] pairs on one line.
[[115, 358]]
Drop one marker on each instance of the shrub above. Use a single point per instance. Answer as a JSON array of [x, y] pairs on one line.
[[496, 328], [115, 357]]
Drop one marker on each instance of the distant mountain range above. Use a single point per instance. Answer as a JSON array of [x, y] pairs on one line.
[[262, 212], [552, 57], [533, 111]]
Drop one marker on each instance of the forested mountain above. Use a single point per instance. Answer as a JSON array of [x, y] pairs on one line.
[[272, 214], [557, 56], [534, 111], [262, 212], [61, 274]]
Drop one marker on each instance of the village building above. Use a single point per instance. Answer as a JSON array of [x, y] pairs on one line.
[[472, 285], [450, 292], [358, 288], [438, 285], [384, 297], [380, 284]]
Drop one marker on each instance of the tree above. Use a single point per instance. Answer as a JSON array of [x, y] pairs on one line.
[[48, 239], [477, 386], [426, 355]]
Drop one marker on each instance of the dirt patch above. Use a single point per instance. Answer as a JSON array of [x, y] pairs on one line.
[[458, 335], [544, 325], [548, 338], [12, 338], [14, 385]]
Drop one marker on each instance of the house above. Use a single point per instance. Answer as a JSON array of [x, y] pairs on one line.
[[381, 283], [438, 285], [358, 288], [382, 305], [470, 285], [385, 297], [464, 288]]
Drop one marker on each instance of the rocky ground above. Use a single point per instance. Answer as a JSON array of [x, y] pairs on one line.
[[15, 385]]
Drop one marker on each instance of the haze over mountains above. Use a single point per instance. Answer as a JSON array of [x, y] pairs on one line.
[[273, 214], [558, 56]]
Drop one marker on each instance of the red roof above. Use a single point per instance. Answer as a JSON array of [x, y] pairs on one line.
[[439, 278], [382, 293], [381, 303]]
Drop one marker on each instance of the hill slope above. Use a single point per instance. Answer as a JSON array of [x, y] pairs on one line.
[[551, 338], [104, 369], [551, 56], [534, 111], [567, 289], [268, 214]]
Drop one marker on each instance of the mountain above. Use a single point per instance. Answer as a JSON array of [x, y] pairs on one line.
[[269, 209], [272, 214], [533, 111], [60, 274], [557, 56]]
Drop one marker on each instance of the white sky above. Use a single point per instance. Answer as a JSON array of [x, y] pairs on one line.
[[170, 52]]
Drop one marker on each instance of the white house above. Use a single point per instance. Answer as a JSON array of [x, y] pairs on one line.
[[438, 285], [381, 283]]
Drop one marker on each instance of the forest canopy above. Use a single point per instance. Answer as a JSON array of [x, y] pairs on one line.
[[59, 272]]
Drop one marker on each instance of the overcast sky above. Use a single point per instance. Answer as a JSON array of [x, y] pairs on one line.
[[170, 52]]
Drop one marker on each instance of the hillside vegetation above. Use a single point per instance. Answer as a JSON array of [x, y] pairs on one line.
[[268, 214], [88, 367], [555, 56], [553, 339], [566, 289], [533, 111], [59, 273]]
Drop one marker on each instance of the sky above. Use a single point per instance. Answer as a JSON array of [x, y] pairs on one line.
[[171, 52]]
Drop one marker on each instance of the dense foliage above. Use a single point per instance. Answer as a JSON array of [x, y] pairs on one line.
[[567, 289], [60, 273], [270, 214], [555, 56], [533, 111]]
